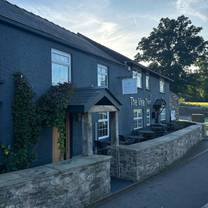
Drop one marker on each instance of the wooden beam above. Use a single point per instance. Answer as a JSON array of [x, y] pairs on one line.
[[56, 154], [87, 141], [68, 136], [114, 128], [103, 108]]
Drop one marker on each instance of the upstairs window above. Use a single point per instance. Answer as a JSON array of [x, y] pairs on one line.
[[162, 86], [103, 125], [163, 115], [138, 76], [102, 76], [138, 119], [148, 117], [61, 67], [147, 81]]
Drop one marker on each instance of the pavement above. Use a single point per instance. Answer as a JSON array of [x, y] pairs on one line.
[[182, 185], [119, 184]]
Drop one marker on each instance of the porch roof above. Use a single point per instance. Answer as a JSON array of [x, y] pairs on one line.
[[83, 99]]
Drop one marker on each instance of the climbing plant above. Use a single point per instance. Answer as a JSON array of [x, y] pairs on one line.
[[26, 127], [29, 117], [52, 108]]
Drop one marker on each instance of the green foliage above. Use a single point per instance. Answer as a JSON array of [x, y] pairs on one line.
[[29, 117], [202, 77], [52, 109], [171, 48], [25, 125]]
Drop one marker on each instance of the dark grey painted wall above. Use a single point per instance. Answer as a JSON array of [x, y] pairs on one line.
[[30, 54]]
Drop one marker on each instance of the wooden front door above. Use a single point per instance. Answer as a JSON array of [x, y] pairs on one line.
[[56, 155]]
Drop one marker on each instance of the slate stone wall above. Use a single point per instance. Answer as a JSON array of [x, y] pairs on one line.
[[139, 161], [74, 183]]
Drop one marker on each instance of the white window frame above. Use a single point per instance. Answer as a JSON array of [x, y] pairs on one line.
[[138, 117], [54, 51], [138, 76], [108, 126], [148, 117], [163, 115], [101, 67], [162, 85], [147, 82]]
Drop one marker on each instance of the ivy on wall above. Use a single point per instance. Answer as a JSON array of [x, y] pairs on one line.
[[52, 108], [29, 117], [25, 126]]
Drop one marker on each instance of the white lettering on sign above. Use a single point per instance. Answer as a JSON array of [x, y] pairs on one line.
[[129, 86], [135, 102]]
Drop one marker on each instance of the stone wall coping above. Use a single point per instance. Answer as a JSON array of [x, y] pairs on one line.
[[59, 168], [160, 140]]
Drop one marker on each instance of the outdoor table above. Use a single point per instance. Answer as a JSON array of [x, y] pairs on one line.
[[147, 133], [159, 127], [136, 138], [131, 139]]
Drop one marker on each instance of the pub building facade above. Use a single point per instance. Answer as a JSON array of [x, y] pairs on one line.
[[113, 95]]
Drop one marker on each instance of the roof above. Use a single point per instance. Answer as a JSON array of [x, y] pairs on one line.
[[26, 20], [21, 18], [84, 98], [121, 58]]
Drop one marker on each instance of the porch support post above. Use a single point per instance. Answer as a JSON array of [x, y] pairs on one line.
[[87, 143], [114, 128]]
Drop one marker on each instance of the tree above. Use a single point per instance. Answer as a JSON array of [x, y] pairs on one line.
[[202, 65], [172, 48]]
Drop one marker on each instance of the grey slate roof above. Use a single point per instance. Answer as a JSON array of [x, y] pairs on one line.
[[121, 58], [84, 98], [21, 18], [16, 15]]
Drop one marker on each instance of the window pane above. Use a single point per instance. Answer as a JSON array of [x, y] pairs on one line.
[[103, 125], [60, 58], [102, 76], [59, 73], [138, 76], [61, 67], [147, 81], [163, 115], [138, 118], [148, 117], [162, 86]]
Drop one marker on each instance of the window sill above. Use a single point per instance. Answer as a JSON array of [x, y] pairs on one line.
[[102, 138], [103, 87], [137, 128]]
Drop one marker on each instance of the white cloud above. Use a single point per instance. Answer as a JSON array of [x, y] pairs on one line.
[[197, 8], [89, 18]]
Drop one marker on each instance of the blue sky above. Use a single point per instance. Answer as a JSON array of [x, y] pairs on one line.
[[118, 24]]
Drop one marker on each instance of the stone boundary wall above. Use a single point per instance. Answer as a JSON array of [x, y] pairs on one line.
[[187, 111], [74, 183], [139, 161]]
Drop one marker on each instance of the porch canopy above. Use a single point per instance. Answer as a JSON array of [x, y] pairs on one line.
[[90, 100]]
